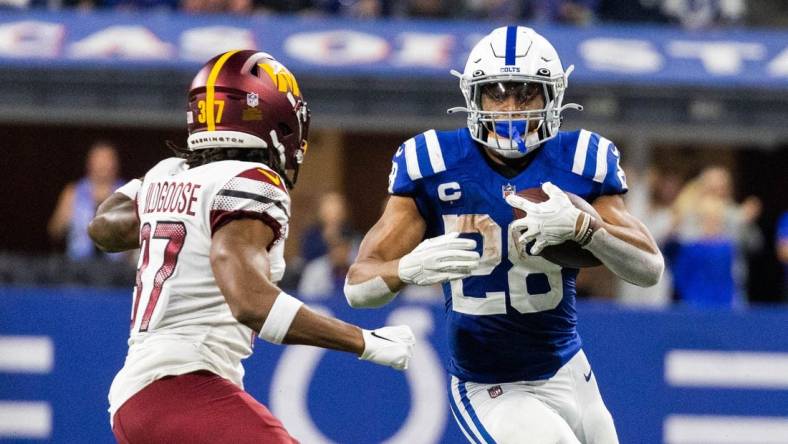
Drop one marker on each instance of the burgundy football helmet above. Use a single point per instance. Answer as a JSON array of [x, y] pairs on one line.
[[247, 99]]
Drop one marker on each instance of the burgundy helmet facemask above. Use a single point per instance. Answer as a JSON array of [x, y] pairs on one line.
[[247, 99]]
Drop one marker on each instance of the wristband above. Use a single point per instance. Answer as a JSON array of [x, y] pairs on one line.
[[279, 318], [583, 235], [130, 189]]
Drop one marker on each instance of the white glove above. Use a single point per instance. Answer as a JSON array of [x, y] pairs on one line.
[[439, 259], [391, 346], [551, 222]]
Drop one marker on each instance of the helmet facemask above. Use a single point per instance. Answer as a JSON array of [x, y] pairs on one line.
[[508, 131], [519, 57], [293, 163], [515, 133]]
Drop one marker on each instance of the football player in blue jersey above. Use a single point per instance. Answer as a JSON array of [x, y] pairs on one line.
[[518, 371]]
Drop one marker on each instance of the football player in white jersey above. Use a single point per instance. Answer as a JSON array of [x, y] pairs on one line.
[[211, 226], [518, 371]]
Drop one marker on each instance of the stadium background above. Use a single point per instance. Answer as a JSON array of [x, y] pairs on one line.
[[672, 98]]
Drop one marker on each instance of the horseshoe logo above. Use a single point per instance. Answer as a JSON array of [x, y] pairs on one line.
[[426, 420]]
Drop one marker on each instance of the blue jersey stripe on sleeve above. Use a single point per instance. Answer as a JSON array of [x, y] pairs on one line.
[[616, 179], [601, 159], [411, 160], [423, 156], [434, 150], [580, 152], [590, 167]]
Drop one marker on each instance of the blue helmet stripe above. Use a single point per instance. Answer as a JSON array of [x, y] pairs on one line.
[[511, 44]]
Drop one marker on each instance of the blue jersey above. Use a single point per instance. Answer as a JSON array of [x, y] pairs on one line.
[[514, 318]]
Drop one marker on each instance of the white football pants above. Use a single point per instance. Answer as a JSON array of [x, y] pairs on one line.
[[565, 409]]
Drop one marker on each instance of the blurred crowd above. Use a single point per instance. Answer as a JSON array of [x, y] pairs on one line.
[[705, 235], [687, 13], [80, 263]]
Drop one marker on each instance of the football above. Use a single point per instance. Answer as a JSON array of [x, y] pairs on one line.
[[568, 254]]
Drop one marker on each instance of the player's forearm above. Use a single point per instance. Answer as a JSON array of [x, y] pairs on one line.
[[638, 237], [372, 283], [304, 327], [240, 272], [365, 269], [311, 328], [374, 279], [631, 258], [257, 308], [116, 226]]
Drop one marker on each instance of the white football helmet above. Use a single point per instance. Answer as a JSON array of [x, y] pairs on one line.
[[511, 55]]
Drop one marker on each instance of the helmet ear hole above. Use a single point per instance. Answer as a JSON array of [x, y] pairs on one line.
[[285, 129]]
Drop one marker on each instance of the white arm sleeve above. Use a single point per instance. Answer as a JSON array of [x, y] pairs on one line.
[[627, 261], [368, 294]]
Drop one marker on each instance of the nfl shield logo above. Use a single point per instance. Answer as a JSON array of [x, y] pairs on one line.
[[508, 189], [495, 392], [252, 99]]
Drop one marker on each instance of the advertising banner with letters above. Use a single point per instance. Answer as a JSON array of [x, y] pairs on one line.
[[603, 54], [677, 376]]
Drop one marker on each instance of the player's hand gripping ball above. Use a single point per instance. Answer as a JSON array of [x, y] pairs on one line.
[[568, 253]]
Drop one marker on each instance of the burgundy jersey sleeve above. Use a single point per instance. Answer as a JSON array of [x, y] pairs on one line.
[[256, 193]]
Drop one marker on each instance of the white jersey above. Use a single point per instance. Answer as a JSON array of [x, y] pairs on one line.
[[180, 321]]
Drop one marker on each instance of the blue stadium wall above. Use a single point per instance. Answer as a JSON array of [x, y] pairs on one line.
[[673, 376]]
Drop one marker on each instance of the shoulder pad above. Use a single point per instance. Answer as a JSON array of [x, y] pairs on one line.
[[168, 167], [423, 155], [596, 158], [252, 192], [265, 175]]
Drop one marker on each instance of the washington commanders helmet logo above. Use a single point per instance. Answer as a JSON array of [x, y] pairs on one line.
[[282, 78]]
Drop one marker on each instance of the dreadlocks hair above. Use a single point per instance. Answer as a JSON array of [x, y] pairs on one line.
[[208, 155], [201, 157]]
